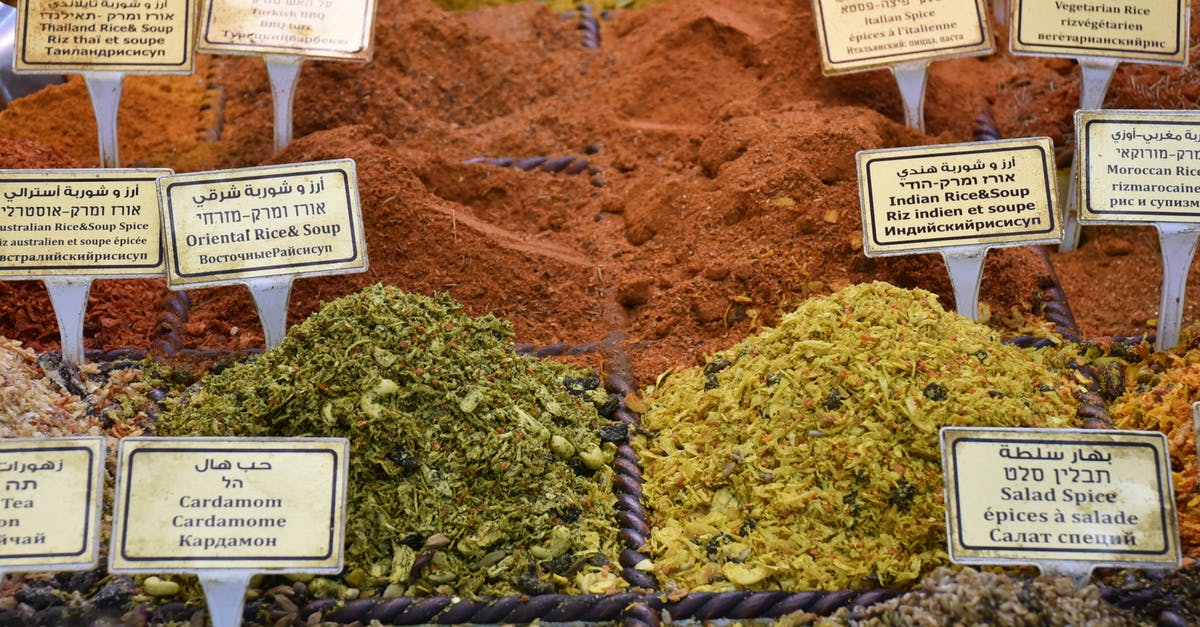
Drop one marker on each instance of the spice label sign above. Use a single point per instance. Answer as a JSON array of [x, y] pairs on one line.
[[982, 193], [1026, 495], [80, 222], [50, 505], [227, 226], [268, 504], [335, 29], [858, 35], [1146, 31], [1138, 166], [131, 36]]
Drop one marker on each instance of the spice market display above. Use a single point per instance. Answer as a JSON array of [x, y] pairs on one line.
[[618, 356]]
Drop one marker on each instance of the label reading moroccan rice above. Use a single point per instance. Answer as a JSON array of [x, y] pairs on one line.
[[338, 29], [50, 506], [1024, 495], [131, 36], [80, 222], [859, 35], [1147, 31], [226, 226], [1138, 166], [270, 504], [977, 194]]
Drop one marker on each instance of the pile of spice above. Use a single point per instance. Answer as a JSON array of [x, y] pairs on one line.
[[473, 471], [971, 597], [32, 406], [807, 457]]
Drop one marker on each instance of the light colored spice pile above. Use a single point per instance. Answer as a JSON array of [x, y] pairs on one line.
[[808, 457], [971, 597], [32, 406], [473, 471]]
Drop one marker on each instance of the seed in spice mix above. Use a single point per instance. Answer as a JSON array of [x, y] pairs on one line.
[[473, 471], [807, 457]]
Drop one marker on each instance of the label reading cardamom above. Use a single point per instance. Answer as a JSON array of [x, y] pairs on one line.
[[981, 193], [50, 504], [131, 36], [1146, 31], [859, 35], [308, 28], [268, 504]]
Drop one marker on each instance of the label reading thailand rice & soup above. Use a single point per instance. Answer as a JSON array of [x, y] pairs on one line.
[[130, 36]]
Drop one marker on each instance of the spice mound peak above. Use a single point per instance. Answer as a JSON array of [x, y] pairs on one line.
[[807, 457], [474, 470]]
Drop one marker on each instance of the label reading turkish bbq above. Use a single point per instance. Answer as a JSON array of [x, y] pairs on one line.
[[271, 504], [227, 226], [1146, 31], [1138, 166], [335, 29], [50, 504], [1023, 495], [131, 36], [80, 222], [859, 35], [984, 193]]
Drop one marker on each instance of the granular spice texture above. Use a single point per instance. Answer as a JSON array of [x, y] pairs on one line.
[[807, 457], [30, 405], [473, 470]]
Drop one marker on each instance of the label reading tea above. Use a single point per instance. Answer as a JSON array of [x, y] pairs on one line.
[[80, 222], [1021, 495], [1148, 31], [858, 35], [226, 226], [50, 503], [930, 197], [338, 29], [1138, 166], [271, 504], [105, 35]]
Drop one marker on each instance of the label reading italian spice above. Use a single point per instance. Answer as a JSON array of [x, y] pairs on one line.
[[227, 226], [272, 504], [80, 222], [1138, 166], [149, 36], [338, 29], [50, 503], [1148, 31], [976, 194], [859, 35], [1024, 495]]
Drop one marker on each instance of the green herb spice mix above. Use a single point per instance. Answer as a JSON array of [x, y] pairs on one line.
[[474, 470], [808, 457]]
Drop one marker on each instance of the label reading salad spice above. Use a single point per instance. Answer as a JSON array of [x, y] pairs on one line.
[[80, 222], [1021, 495], [50, 503], [301, 219], [337, 29], [931, 197], [1148, 31], [105, 35], [1138, 166], [858, 35], [267, 504]]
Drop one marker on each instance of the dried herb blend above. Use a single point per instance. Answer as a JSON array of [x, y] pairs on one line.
[[473, 471], [808, 458], [30, 405]]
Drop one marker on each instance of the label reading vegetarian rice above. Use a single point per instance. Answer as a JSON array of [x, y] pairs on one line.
[[1138, 166], [976, 194], [1148, 31], [50, 504], [300, 219], [80, 222], [1019, 496], [268, 504], [335, 29], [859, 35], [150, 36]]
